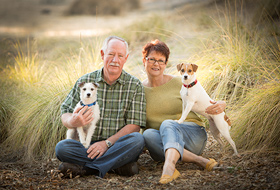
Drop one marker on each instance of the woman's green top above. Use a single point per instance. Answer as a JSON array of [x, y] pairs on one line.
[[164, 102]]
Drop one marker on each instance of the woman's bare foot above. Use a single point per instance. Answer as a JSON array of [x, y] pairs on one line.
[[168, 168], [171, 157]]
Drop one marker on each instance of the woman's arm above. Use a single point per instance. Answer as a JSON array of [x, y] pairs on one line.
[[217, 107]]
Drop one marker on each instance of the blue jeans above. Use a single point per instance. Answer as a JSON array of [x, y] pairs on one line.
[[187, 135], [127, 149]]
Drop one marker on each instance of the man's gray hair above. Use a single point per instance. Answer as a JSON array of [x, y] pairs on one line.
[[106, 41]]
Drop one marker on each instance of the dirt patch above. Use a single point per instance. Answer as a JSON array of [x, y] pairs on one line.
[[250, 171]]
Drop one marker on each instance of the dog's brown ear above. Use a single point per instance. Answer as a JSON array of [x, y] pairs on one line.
[[95, 84], [179, 66], [194, 66], [81, 84]]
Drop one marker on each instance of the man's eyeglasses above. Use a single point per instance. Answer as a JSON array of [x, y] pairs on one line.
[[153, 61]]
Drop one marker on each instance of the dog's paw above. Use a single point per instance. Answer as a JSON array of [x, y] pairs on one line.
[[179, 121], [85, 145], [237, 155]]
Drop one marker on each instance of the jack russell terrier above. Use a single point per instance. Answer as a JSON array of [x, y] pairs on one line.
[[195, 98], [88, 96]]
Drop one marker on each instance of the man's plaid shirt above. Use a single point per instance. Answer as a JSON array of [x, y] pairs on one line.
[[120, 104]]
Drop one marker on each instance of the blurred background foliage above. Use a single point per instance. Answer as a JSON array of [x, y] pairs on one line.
[[97, 7]]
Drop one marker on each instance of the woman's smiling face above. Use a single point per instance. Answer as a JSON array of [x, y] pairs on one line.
[[155, 69]]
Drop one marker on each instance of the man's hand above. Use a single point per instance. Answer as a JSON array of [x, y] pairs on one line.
[[217, 107], [80, 117], [97, 149]]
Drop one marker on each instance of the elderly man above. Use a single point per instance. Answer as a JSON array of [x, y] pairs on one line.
[[116, 143]]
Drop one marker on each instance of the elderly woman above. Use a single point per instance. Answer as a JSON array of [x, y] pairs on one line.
[[165, 139]]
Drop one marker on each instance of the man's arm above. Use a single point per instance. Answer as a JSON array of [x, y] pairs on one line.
[[130, 128], [80, 117]]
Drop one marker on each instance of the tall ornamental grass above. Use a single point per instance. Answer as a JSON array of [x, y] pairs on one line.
[[6, 110], [257, 121], [229, 61], [28, 69], [35, 126], [241, 65], [257, 116]]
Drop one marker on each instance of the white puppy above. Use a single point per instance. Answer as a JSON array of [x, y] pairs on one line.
[[88, 96], [195, 98]]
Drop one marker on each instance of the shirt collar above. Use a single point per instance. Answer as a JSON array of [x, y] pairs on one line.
[[100, 77]]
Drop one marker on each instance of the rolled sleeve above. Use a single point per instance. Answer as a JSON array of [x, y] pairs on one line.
[[137, 112]]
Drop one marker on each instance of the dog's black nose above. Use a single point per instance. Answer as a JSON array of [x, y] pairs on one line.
[[185, 77], [88, 94]]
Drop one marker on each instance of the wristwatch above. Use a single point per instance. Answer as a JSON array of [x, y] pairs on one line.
[[108, 143]]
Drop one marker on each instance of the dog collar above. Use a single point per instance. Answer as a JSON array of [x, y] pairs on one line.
[[191, 85], [92, 104]]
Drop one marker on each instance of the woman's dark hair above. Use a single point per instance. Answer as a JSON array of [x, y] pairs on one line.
[[157, 46]]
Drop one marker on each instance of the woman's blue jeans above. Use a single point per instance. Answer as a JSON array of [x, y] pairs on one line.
[[127, 149], [187, 135]]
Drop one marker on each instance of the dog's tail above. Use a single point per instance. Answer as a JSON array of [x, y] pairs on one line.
[[227, 120]]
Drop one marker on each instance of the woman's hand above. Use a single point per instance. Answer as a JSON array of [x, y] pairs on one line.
[[217, 107]]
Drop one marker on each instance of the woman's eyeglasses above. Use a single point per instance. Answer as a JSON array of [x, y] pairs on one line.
[[153, 61]]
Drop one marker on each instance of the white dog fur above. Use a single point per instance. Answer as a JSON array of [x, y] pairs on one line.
[[196, 99], [88, 96]]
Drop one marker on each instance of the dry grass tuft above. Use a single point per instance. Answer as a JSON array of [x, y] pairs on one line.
[[36, 94], [257, 122]]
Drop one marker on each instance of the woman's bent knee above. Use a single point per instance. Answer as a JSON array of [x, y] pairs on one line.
[[168, 124], [149, 134]]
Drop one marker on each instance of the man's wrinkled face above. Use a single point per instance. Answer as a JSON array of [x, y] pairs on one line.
[[114, 57]]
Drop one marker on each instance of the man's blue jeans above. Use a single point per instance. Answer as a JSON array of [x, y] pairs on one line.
[[187, 135], [127, 149]]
